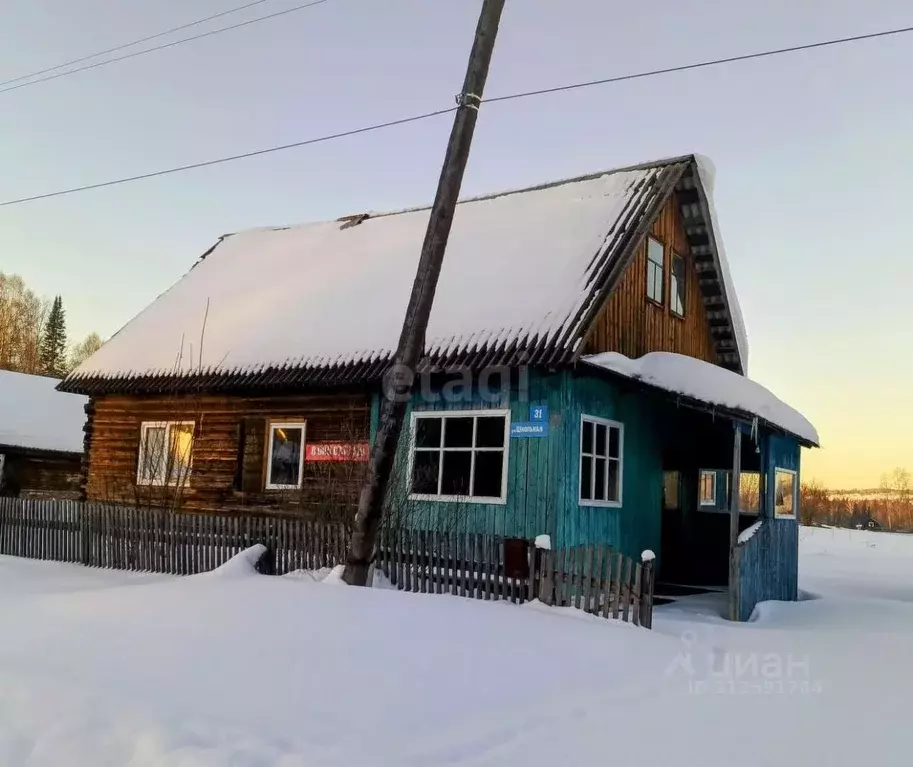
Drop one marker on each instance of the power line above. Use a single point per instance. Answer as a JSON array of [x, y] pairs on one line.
[[255, 153], [427, 115], [702, 64], [132, 43], [163, 46]]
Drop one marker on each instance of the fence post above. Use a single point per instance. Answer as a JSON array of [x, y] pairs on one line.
[[646, 605]]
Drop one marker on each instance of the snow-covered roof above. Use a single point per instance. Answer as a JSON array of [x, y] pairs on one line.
[[709, 384], [33, 414], [523, 273]]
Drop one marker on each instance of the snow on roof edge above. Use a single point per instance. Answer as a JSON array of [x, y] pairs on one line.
[[710, 384], [34, 415], [706, 172]]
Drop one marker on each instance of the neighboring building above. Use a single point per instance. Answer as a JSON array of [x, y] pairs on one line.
[[255, 380], [41, 437]]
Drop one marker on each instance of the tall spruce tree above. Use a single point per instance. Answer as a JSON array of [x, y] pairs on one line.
[[53, 352]]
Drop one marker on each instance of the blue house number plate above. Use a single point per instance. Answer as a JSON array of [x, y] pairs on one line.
[[536, 426]]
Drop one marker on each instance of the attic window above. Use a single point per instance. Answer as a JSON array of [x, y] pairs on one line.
[[656, 267], [677, 286]]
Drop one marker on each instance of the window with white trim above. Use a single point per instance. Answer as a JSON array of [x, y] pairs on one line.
[[707, 491], [165, 449], [656, 268], [786, 490], [460, 455], [285, 455], [677, 285], [601, 447]]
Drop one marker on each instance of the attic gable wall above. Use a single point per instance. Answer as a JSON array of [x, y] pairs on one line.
[[632, 324]]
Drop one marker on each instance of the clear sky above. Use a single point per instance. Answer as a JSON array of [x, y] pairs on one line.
[[813, 153]]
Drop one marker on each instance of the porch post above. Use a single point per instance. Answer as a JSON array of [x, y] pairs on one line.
[[734, 523]]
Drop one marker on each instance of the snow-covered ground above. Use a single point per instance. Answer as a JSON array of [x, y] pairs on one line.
[[101, 668]]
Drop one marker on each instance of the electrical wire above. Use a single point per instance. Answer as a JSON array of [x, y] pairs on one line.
[[132, 43], [161, 47], [232, 158], [427, 115], [701, 64]]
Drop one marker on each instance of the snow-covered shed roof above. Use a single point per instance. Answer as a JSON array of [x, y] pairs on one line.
[[524, 275], [709, 384], [34, 415]]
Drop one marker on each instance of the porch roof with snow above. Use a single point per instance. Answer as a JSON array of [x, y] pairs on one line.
[[35, 416], [524, 275], [709, 385]]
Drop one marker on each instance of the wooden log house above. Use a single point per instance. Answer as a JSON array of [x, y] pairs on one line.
[[41, 437], [255, 380]]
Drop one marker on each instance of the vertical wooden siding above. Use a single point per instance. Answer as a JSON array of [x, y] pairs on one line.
[[636, 524], [543, 473], [230, 433], [768, 566], [633, 325], [535, 472]]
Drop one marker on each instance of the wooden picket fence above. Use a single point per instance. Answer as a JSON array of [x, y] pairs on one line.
[[154, 540], [595, 579]]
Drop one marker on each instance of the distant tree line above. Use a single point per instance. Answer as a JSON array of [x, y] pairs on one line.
[[888, 508], [33, 332]]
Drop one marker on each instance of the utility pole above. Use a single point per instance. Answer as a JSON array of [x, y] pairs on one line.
[[399, 379]]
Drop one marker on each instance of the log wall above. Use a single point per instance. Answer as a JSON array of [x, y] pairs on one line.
[[40, 474], [229, 451]]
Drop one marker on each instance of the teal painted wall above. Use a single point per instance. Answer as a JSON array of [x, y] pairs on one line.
[[535, 465], [543, 472], [636, 524]]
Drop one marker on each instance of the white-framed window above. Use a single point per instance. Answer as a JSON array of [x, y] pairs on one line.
[[285, 455], [165, 449], [786, 493], [677, 285], [460, 455], [707, 488], [656, 269], [601, 461]]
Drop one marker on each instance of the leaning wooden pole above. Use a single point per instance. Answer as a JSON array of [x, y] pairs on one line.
[[398, 380]]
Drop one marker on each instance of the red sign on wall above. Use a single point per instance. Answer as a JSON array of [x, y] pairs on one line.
[[337, 451]]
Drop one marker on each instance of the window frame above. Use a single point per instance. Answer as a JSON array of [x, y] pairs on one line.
[[673, 282], [443, 415], [661, 301], [700, 488], [140, 458], [795, 476], [742, 474], [271, 426], [609, 424]]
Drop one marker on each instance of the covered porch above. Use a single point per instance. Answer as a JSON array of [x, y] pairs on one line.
[[730, 458]]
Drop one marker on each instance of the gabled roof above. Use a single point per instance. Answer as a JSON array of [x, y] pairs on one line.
[[35, 416], [524, 275]]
